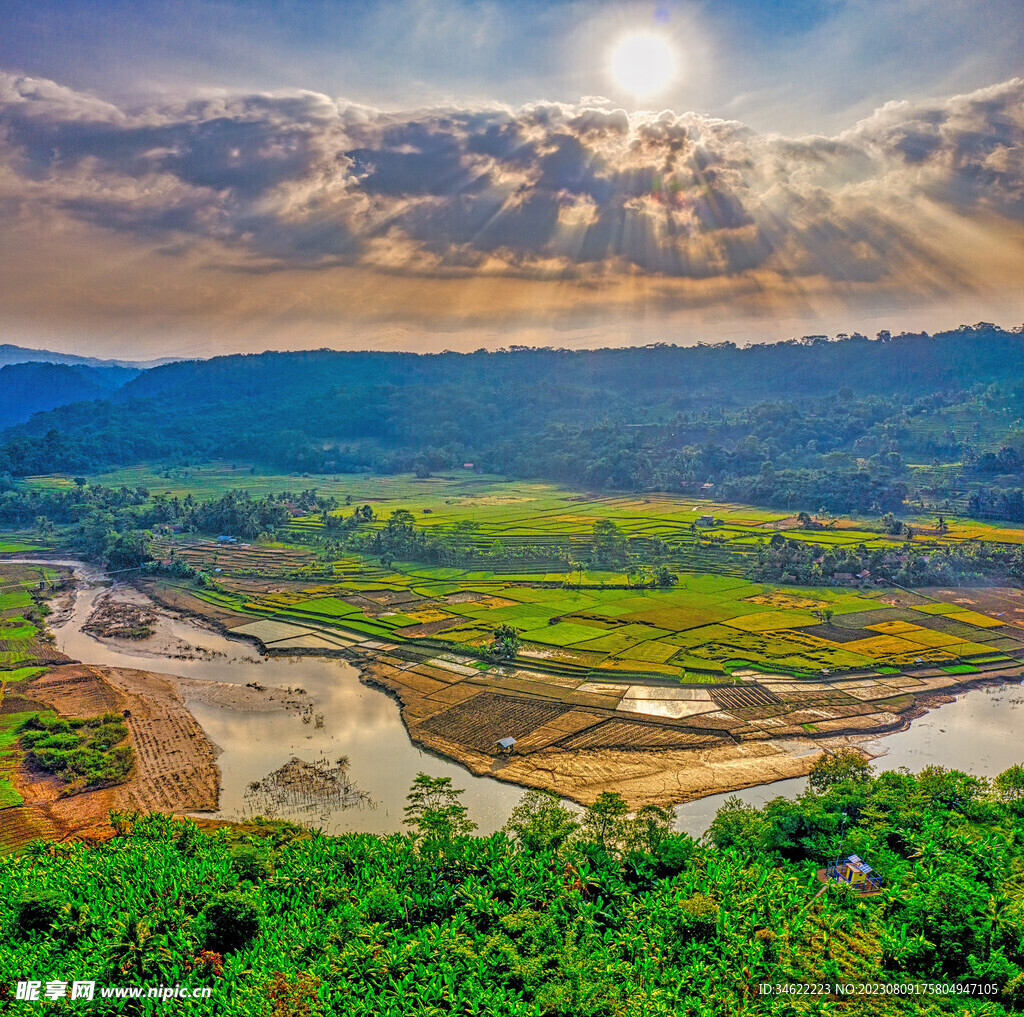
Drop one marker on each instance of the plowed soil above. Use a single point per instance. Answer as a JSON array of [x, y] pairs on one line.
[[175, 767]]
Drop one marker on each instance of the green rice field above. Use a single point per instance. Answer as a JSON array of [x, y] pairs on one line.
[[20, 640], [713, 623]]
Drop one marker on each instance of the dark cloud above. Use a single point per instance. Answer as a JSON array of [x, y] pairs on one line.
[[299, 181]]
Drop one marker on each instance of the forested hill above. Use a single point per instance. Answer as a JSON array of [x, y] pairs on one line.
[[764, 423], [26, 388], [638, 376]]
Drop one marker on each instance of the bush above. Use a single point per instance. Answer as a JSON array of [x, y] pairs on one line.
[[249, 864], [698, 916], [232, 921], [38, 912], [84, 752], [382, 905], [674, 854]]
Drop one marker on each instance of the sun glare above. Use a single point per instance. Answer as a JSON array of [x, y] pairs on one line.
[[643, 63]]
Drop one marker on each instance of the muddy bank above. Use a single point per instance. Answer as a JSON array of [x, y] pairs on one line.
[[670, 777], [175, 762], [452, 712]]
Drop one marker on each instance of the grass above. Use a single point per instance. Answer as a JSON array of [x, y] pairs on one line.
[[18, 547], [20, 674]]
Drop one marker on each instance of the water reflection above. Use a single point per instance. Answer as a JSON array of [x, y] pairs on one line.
[[359, 722], [980, 732]]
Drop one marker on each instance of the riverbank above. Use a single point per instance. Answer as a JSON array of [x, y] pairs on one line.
[[175, 763], [262, 708], [575, 743], [457, 712], [664, 776]]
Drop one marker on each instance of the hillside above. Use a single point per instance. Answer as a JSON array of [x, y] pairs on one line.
[[847, 425], [27, 388], [11, 354]]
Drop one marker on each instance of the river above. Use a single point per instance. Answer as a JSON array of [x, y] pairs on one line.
[[980, 732]]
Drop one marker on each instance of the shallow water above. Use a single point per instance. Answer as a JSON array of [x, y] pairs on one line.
[[359, 722], [981, 732]]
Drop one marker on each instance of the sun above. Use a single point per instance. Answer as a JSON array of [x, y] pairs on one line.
[[643, 63]]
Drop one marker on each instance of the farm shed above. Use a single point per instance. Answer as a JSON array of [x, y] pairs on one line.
[[506, 744], [854, 871]]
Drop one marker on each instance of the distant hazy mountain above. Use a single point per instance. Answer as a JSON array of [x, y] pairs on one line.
[[23, 355], [27, 388]]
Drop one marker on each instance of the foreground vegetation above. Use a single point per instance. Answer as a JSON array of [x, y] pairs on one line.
[[609, 916]]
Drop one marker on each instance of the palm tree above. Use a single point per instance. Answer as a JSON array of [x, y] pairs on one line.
[[136, 950]]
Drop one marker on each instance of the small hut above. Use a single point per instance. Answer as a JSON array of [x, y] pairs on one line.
[[855, 872], [505, 745]]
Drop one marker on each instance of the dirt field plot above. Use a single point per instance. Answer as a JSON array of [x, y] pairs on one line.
[[862, 619], [894, 628], [836, 633], [748, 695], [628, 734], [481, 721]]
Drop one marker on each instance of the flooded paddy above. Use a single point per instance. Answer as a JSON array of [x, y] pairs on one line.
[[979, 732]]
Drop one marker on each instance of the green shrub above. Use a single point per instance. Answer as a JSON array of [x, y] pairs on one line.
[[84, 752], [382, 904], [38, 912], [249, 864], [232, 921], [674, 854], [698, 916]]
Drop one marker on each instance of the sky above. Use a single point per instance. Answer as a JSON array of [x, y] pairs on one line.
[[214, 176]]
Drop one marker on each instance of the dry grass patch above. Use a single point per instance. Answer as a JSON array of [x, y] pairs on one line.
[[974, 618], [767, 620], [786, 601], [882, 646]]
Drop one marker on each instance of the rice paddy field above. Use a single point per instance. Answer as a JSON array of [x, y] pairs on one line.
[[21, 647], [714, 623], [21, 639], [606, 662]]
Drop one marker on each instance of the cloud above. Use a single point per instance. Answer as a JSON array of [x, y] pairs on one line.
[[585, 195]]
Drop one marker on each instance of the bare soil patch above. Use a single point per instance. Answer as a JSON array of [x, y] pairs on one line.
[[175, 768], [836, 633], [481, 721]]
